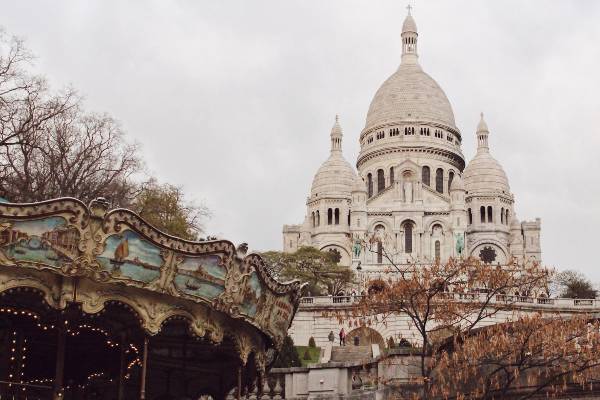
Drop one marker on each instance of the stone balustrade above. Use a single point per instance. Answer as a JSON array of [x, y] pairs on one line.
[[586, 305], [272, 388]]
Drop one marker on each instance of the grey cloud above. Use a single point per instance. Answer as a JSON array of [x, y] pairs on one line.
[[234, 99]]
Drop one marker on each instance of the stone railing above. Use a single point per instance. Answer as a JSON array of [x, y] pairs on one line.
[[316, 300], [272, 388], [542, 302]]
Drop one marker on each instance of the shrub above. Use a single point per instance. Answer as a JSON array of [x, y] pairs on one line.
[[288, 356], [311, 342], [390, 343], [306, 355]]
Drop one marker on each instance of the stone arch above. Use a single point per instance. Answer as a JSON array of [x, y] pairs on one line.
[[435, 222], [386, 224], [345, 259], [366, 337], [501, 253]]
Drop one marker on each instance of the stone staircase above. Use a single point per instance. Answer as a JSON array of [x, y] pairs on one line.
[[350, 353]]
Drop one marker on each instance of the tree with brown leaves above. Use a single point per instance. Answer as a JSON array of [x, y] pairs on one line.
[[449, 304], [165, 207]]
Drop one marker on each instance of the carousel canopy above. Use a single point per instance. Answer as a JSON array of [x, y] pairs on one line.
[[205, 308]]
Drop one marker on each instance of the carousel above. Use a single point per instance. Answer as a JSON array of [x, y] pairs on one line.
[[97, 304]]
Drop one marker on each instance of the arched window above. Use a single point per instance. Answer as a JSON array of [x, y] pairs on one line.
[[426, 178], [482, 212], [318, 218], [391, 176], [439, 180], [470, 216], [335, 255], [380, 180], [313, 219], [379, 235], [502, 215], [450, 178], [408, 236], [438, 250], [348, 218], [337, 216], [329, 216], [506, 218], [370, 185], [490, 214]]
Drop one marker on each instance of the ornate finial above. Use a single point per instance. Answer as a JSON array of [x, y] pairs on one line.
[[242, 250], [409, 8], [336, 135], [99, 207], [481, 114], [482, 134]]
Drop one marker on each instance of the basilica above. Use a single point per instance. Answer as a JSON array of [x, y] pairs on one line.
[[412, 195]]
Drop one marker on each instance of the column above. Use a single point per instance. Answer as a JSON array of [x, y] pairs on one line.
[[144, 370], [60, 364]]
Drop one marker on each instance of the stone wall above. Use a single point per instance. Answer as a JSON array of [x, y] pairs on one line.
[[317, 316]]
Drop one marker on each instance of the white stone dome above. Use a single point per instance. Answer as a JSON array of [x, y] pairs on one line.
[[359, 185], [410, 94], [409, 24], [335, 177], [457, 183], [484, 174]]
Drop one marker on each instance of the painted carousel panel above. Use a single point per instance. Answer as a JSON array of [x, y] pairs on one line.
[[46, 241], [281, 314], [128, 255], [201, 276], [253, 292]]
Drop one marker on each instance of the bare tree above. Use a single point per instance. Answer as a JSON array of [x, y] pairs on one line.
[[532, 356], [25, 102], [50, 147]]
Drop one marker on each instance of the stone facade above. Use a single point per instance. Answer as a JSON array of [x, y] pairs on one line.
[[411, 187], [317, 316]]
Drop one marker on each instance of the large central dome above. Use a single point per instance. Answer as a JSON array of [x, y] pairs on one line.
[[409, 94]]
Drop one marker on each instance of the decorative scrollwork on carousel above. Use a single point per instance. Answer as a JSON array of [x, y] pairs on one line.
[[120, 250]]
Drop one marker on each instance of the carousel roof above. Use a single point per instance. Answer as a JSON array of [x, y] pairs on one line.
[[90, 259]]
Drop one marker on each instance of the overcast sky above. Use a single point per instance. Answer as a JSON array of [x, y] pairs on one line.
[[234, 100]]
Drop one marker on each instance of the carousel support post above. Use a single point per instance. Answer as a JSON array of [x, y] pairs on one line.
[[60, 365], [239, 384], [122, 369], [144, 370]]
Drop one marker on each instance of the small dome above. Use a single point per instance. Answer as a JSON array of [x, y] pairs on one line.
[[514, 222], [359, 185], [457, 183], [336, 129], [482, 126], [335, 177], [409, 24], [484, 174]]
